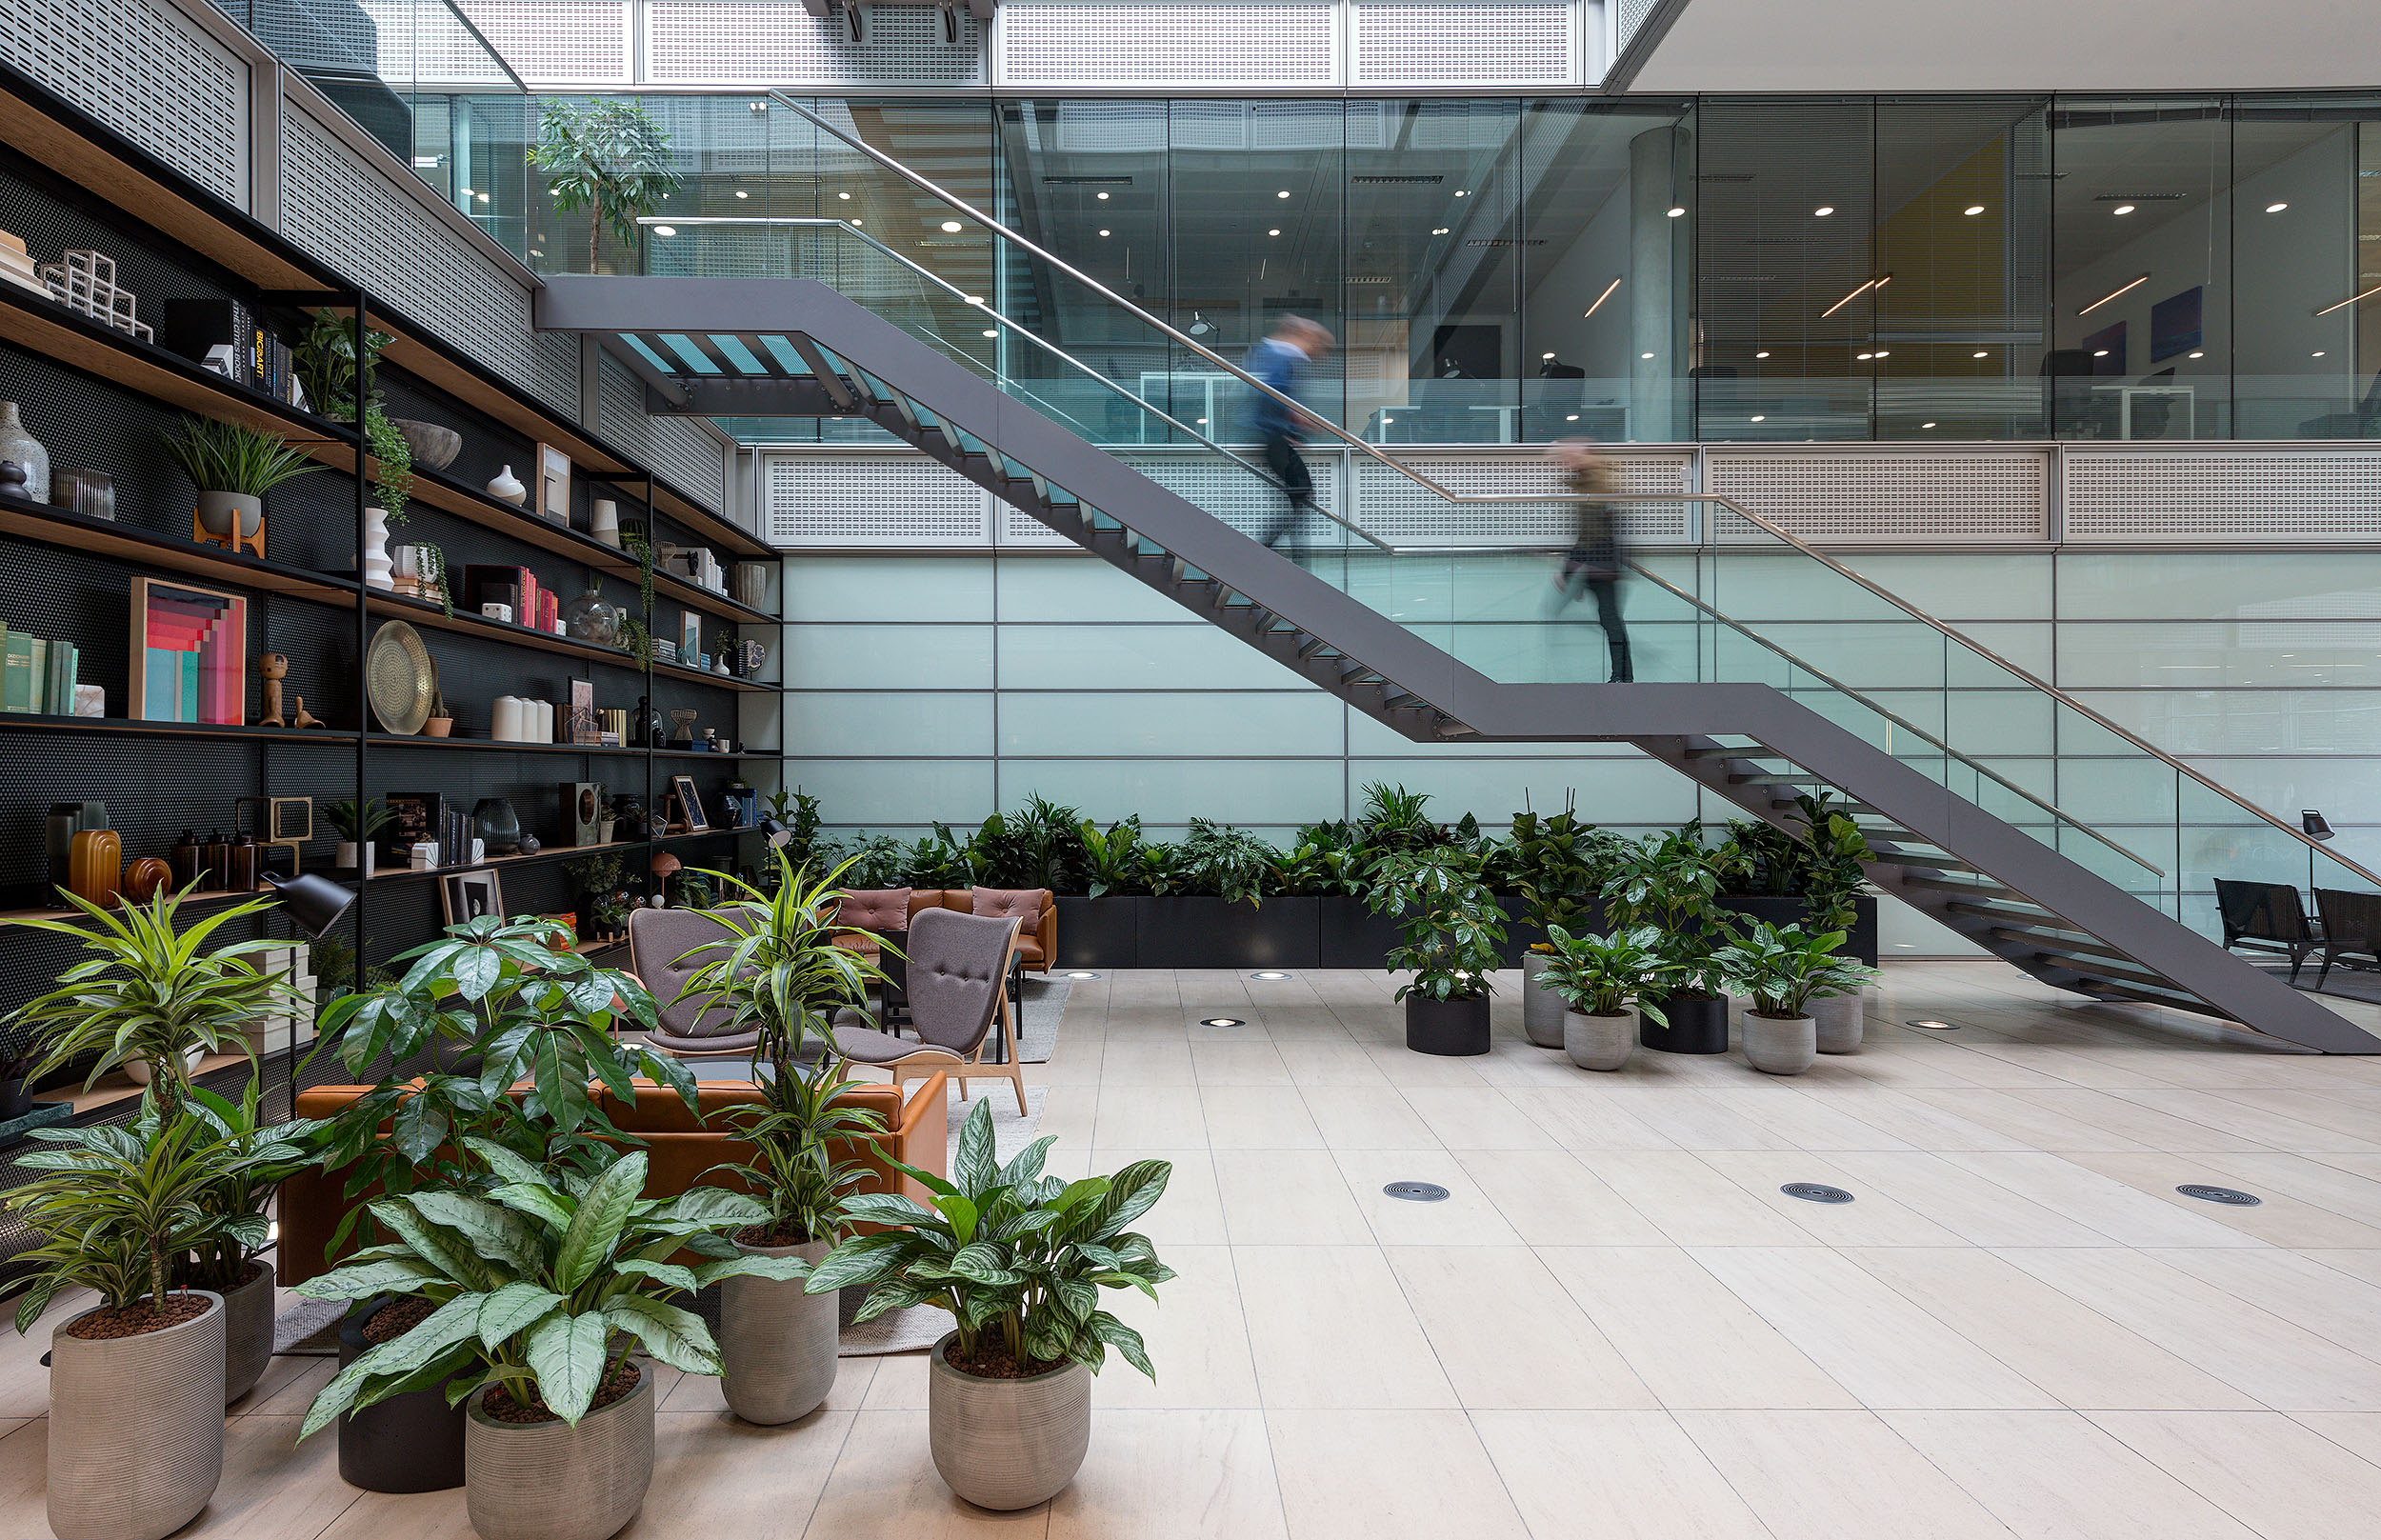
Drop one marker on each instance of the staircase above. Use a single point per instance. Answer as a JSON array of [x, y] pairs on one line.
[[1952, 837]]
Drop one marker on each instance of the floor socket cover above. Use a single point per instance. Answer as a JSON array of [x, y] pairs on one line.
[[1416, 1191], [1816, 1193], [2219, 1195]]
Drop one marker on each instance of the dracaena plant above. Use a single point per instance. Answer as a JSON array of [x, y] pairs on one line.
[[1605, 975], [250, 1159], [794, 1170], [498, 991], [1018, 1259], [1781, 967], [541, 1286]]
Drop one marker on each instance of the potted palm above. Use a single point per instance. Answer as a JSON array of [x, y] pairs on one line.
[[255, 1159], [1018, 1259], [135, 1444], [1554, 862], [1779, 968], [356, 823], [542, 1287], [233, 467], [1598, 979], [1452, 928], [1670, 882]]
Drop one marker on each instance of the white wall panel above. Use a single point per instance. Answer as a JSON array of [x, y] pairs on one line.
[[1443, 44], [1093, 43]]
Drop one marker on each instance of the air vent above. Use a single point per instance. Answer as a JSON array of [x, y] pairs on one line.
[[1508, 240], [2139, 197], [1087, 181], [1397, 181]]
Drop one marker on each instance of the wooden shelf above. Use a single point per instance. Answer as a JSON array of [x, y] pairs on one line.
[[117, 1087], [422, 612], [494, 863], [695, 597], [708, 834], [105, 537], [126, 727], [423, 740], [196, 901], [704, 676]]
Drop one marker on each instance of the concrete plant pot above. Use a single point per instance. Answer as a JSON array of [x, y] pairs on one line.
[[1597, 1042], [551, 1481], [219, 513], [135, 1429], [1780, 1045], [779, 1344], [1841, 1022], [1542, 1010], [1006, 1443], [246, 1332], [412, 1442]]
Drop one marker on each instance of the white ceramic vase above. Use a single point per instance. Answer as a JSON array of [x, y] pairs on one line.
[[508, 487], [378, 572], [604, 520]]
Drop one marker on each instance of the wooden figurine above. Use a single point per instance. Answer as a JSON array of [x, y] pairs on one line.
[[305, 718], [274, 668]]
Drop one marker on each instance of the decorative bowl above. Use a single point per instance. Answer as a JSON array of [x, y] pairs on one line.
[[434, 447]]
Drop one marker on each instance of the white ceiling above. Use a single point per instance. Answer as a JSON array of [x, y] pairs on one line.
[[2015, 45]]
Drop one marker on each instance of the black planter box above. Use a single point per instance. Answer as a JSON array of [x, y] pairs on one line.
[[412, 1442], [1099, 932], [1448, 1028], [1691, 1024], [1210, 932]]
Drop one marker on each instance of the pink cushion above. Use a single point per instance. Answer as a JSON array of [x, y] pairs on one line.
[[884, 910], [1011, 902]]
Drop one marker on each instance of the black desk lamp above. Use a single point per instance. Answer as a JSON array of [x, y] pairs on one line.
[[315, 903]]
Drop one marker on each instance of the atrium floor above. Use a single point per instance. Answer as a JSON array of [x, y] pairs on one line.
[[1616, 1325]]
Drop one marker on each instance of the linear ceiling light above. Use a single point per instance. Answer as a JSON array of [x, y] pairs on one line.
[[1873, 282], [2351, 300], [1601, 298], [2112, 293]]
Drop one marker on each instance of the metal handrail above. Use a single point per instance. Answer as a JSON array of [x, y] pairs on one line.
[[953, 200]]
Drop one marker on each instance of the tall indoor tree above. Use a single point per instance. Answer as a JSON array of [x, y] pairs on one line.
[[609, 158]]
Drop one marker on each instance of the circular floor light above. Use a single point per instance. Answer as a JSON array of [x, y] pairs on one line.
[[1221, 1021], [1269, 974], [1081, 974], [1927, 1024]]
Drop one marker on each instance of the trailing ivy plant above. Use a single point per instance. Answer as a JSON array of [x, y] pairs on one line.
[[1018, 1259]]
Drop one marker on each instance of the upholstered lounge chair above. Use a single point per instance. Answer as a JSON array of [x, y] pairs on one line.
[[665, 948], [958, 964]]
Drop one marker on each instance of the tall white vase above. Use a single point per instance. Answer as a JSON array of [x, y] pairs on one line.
[[604, 520], [378, 572]]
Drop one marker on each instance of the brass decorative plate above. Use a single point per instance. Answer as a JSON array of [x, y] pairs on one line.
[[399, 678]]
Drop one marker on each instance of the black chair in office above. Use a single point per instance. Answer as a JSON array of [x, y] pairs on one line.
[[2267, 917], [2351, 928]]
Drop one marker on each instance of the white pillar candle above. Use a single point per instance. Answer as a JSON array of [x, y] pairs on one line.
[[505, 725]]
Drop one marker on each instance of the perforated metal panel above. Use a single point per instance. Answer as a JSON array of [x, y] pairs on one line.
[[1062, 43], [1629, 18], [1883, 497], [146, 71], [554, 371], [1397, 510], [818, 502], [560, 42], [1013, 526], [427, 45], [680, 452], [352, 216], [1455, 43], [2224, 494], [1240, 498], [736, 42]]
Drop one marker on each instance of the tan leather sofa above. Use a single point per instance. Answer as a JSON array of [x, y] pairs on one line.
[[870, 912], [679, 1149]]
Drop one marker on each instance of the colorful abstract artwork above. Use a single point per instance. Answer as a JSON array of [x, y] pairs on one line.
[[190, 654]]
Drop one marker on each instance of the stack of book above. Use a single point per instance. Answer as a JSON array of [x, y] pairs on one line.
[[37, 675]]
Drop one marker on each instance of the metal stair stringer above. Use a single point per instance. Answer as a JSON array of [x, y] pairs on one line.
[[1179, 550]]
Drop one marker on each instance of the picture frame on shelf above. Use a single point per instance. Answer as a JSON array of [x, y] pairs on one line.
[[470, 896], [582, 811], [190, 654], [413, 817], [689, 804], [553, 484], [689, 640], [583, 728]]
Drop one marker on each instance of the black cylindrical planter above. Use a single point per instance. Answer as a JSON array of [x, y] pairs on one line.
[[408, 1443], [1450, 1028], [1699, 1024]]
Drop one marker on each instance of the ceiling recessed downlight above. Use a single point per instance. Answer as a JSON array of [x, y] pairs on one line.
[[2122, 209], [950, 227], [1645, 356], [1102, 197], [2275, 208], [1103, 234], [1285, 192], [1762, 353], [991, 332], [1982, 353], [845, 196], [665, 230], [1758, 417], [1273, 233], [1678, 213], [741, 194], [1823, 210], [1974, 208]]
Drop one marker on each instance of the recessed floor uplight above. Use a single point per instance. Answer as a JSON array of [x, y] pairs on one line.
[[1678, 213], [1080, 973], [2122, 209], [1927, 1024], [1221, 1021], [2231, 1197], [1864, 357], [1823, 210], [2275, 208], [1974, 208], [1269, 974], [950, 227], [1544, 356]]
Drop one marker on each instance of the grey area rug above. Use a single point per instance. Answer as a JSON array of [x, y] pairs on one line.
[[1037, 1024], [307, 1328]]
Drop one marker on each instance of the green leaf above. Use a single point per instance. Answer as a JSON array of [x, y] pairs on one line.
[[506, 1166], [971, 1164], [394, 1275], [566, 1352], [512, 1309], [536, 1200], [961, 1215], [475, 971], [862, 1260], [436, 1245], [673, 1336], [1132, 1194], [982, 1263], [495, 1232], [1123, 1339], [660, 1272], [597, 1224], [777, 1268], [889, 1208]]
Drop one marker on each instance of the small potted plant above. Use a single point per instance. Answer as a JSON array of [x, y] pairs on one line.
[[1452, 930], [135, 1444], [440, 722], [542, 1287], [1018, 1259], [233, 468], [256, 1159], [1779, 968], [1835, 853], [1598, 979], [356, 823], [1555, 862], [1670, 882]]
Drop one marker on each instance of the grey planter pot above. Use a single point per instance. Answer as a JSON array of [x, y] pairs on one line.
[[550, 1481], [1599, 1042], [1006, 1443], [247, 1334], [1542, 1011], [1779, 1045], [219, 512], [135, 1429], [778, 1343], [1841, 1024]]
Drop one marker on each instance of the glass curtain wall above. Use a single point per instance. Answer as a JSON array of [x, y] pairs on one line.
[[1503, 271]]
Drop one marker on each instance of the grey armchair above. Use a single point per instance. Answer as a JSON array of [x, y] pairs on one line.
[[958, 964], [695, 1029]]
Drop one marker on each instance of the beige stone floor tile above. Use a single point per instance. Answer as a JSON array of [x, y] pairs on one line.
[[1688, 1202], [2022, 1115], [2053, 1476], [2283, 1365], [1462, 1119], [1173, 1476], [1076, 1063], [1803, 1121], [1286, 1197], [898, 1385], [1975, 1207], [1150, 1117], [2355, 1113], [2363, 1263], [288, 1389], [1389, 1475], [2279, 1479], [1366, 1118], [1867, 1336], [1560, 1362], [2308, 1291], [1870, 1219], [1695, 1119], [1070, 1113], [427, 1516], [1332, 1062], [2271, 1128], [1921, 1125], [1631, 1475], [2279, 1220], [24, 1383], [1463, 1217], [1257, 1117], [1161, 1062], [2144, 1126], [1550, 1199], [1582, 1117], [1191, 1211], [2105, 1205], [884, 1487], [1239, 1064], [1835, 1475], [714, 1475], [2359, 1432], [1401, 1067], [1198, 1337], [1690, 1340], [1330, 1328], [24, 1470], [274, 1487], [2345, 1185], [2073, 1352]]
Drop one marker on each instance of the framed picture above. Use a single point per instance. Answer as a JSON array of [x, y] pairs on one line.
[[583, 728], [190, 654], [2176, 323], [691, 640], [413, 816], [582, 811], [553, 484], [470, 896], [690, 806]]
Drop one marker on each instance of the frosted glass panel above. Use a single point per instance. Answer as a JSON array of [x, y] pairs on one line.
[[1080, 589], [888, 657], [889, 587], [2222, 585], [867, 723], [1044, 725], [1963, 586], [885, 791], [2248, 722], [1127, 657], [2277, 654], [1610, 790], [1175, 791]]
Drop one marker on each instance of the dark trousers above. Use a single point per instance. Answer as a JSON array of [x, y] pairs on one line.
[[1282, 459], [1604, 587]]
